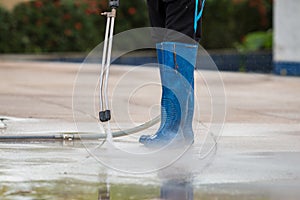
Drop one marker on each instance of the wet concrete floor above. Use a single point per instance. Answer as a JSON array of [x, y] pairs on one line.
[[248, 149]]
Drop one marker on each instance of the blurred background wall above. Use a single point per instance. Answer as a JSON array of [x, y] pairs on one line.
[[287, 37]]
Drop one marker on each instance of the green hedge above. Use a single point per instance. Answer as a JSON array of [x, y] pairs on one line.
[[75, 25], [63, 25], [226, 22], [5, 30]]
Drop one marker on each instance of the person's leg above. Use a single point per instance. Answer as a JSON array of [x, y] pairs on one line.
[[157, 15], [180, 17], [179, 56]]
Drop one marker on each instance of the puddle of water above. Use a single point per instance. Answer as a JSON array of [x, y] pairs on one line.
[[74, 189], [78, 190]]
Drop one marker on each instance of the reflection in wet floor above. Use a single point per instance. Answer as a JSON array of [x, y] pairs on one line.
[[173, 190]]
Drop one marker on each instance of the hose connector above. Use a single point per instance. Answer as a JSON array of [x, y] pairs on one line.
[[68, 137], [104, 116], [114, 3]]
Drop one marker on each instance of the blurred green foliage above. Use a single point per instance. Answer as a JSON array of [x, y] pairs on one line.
[[63, 25], [256, 41], [75, 25], [5, 20], [226, 22]]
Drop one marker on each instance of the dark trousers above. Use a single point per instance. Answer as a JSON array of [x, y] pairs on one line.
[[177, 15]]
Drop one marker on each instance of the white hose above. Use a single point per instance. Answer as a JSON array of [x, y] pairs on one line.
[[81, 135]]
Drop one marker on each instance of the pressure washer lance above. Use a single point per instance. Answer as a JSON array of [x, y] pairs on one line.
[[105, 114]]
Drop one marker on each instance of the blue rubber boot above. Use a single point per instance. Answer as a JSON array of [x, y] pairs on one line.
[[187, 71], [177, 61]]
